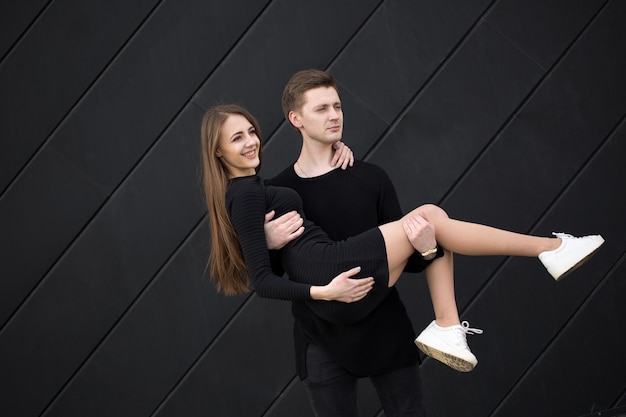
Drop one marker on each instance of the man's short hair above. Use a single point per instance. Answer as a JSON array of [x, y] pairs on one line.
[[299, 84]]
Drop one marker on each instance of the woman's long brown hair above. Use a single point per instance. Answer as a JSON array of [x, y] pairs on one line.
[[227, 267]]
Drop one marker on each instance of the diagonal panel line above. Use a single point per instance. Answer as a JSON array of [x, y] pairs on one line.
[[24, 32]]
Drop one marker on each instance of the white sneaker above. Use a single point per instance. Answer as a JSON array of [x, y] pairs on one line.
[[573, 252], [449, 345]]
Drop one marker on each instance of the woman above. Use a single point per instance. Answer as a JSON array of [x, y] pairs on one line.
[[237, 201]]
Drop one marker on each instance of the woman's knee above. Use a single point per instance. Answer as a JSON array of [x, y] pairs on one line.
[[431, 211]]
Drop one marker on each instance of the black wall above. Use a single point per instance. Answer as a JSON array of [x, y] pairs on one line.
[[504, 112]]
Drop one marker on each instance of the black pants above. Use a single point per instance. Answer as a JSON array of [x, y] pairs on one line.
[[332, 390]]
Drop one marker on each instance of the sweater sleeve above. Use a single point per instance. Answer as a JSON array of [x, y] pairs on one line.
[[246, 207]]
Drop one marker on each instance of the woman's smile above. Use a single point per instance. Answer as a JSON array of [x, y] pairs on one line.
[[239, 146]]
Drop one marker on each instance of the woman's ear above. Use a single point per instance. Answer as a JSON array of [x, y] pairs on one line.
[[218, 153]]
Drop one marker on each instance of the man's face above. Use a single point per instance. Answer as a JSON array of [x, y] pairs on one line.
[[320, 118]]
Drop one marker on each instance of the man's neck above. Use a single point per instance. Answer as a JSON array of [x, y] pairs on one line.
[[314, 160]]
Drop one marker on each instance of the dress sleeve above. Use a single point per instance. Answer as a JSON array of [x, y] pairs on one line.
[[246, 207]]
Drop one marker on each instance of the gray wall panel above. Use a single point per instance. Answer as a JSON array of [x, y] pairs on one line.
[[274, 48], [57, 60], [398, 50], [158, 340], [255, 348], [525, 309], [542, 29], [455, 117], [104, 271], [30, 246], [585, 346], [110, 130], [15, 18]]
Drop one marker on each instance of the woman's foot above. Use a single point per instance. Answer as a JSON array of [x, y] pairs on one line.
[[573, 252], [449, 345]]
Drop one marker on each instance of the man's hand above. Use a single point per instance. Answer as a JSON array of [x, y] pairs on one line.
[[421, 232], [343, 155], [282, 230], [345, 289]]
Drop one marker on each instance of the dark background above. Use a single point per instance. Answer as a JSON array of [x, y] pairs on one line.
[[506, 112]]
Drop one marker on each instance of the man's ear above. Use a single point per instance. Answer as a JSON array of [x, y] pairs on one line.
[[294, 118]]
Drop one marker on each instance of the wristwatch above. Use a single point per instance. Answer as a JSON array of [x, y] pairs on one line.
[[429, 254]]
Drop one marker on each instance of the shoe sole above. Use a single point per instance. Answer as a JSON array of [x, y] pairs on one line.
[[579, 263], [454, 362]]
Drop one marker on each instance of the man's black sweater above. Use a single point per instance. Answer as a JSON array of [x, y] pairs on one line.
[[344, 204]]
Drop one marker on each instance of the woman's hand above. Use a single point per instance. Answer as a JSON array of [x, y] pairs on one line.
[[421, 232], [282, 230], [343, 155], [343, 288]]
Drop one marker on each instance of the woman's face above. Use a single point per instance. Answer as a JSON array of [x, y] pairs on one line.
[[238, 148]]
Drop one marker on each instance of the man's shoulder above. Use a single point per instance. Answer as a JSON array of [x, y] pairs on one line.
[[368, 171], [367, 166]]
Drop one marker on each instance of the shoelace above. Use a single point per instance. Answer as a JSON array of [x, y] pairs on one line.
[[470, 330], [562, 235]]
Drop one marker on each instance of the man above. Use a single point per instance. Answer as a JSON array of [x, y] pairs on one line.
[[331, 357]]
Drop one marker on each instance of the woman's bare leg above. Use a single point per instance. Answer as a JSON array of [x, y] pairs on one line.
[[469, 239], [478, 240], [461, 237], [439, 274], [440, 279], [398, 247], [445, 338], [472, 239]]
